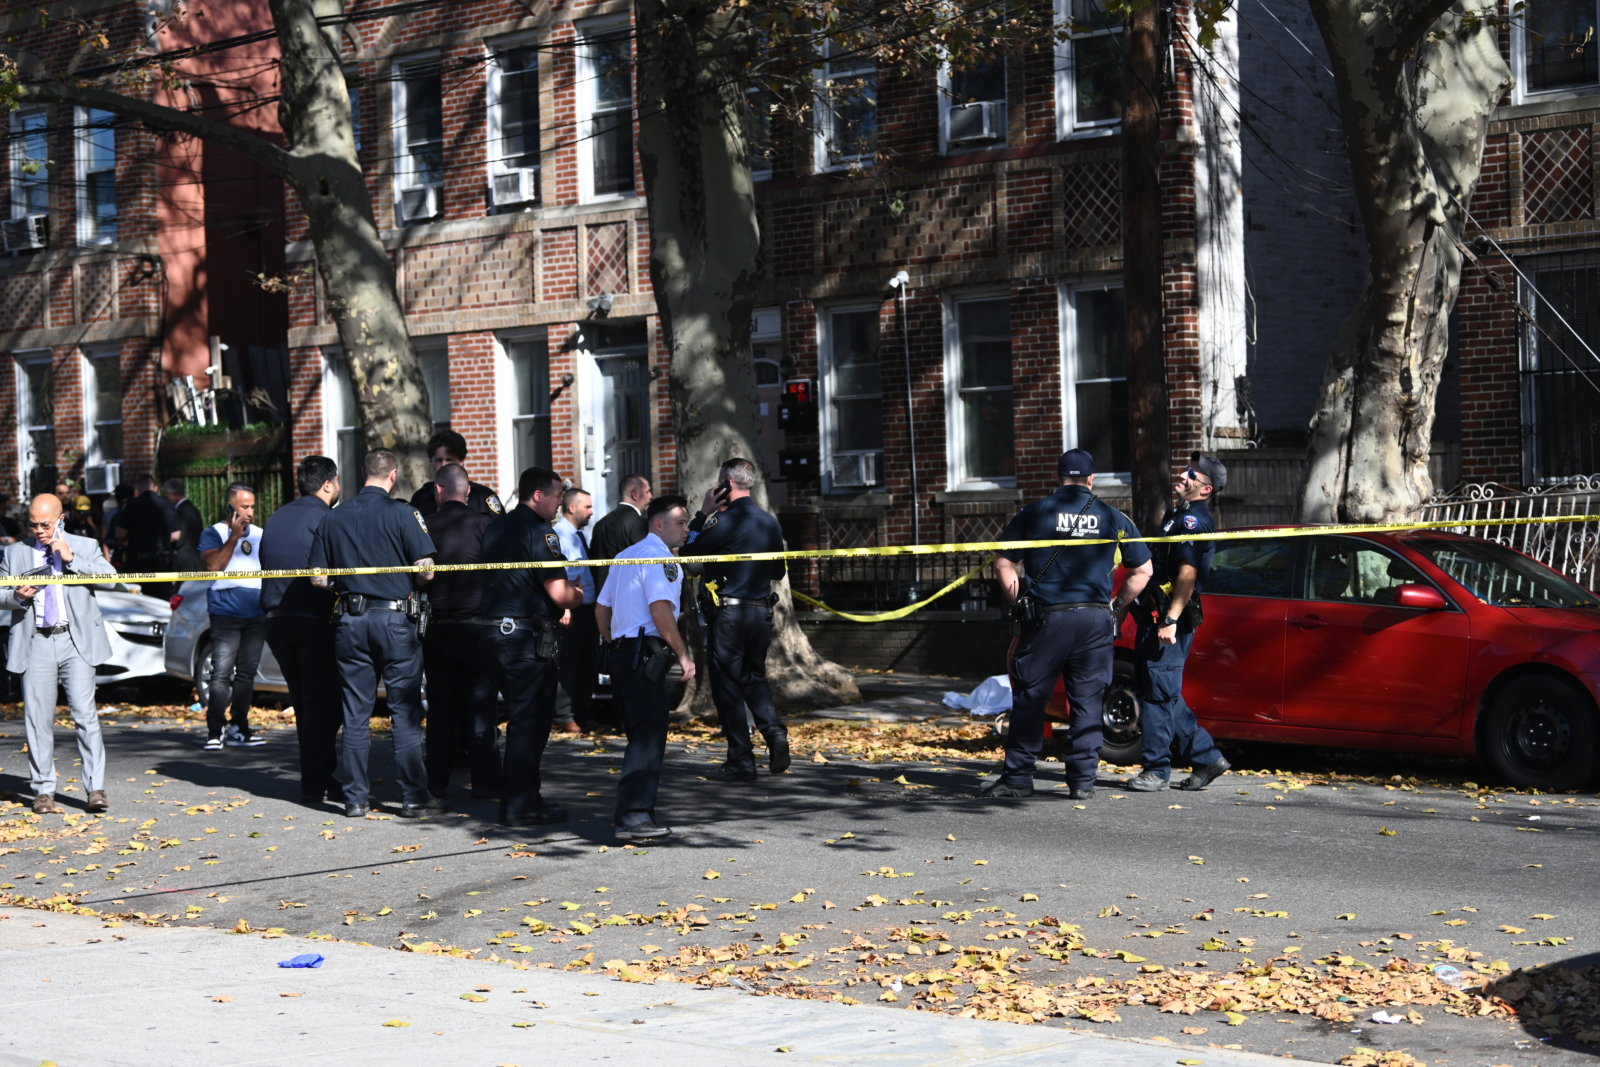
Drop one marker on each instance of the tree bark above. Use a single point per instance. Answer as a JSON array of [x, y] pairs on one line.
[[705, 259], [1417, 83]]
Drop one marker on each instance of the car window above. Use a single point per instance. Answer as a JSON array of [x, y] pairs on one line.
[[1250, 568], [1499, 576], [1339, 568]]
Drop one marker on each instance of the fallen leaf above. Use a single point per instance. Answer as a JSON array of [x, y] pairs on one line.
[[397, 1022], [711, 874]]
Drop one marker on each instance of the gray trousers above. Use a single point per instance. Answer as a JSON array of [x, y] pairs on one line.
[[52, 661]]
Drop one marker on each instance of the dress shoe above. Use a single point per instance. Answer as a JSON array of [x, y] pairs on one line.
[[1000, 789], [545, 815], [778, 753], [1204, 776], [45, 804], [1145, 782], [431, 806], [1080, 792], [643, 831], [732, 773], [357, 811], [97, 801]]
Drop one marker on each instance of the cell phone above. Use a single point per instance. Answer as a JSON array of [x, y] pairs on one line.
[[724, 489]]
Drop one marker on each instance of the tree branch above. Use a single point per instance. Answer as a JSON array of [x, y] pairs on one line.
[[257, 148], [1410, 19]]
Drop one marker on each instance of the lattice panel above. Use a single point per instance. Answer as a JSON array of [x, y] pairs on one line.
[[97, 291], [839, 532], [1557, 176], [608, 258], [1092, 203], [965, 529]]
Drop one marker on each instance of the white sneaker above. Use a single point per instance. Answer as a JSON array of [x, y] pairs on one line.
[[213, 744], [238, 738]]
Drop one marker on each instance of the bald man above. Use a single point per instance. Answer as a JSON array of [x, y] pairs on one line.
[[57, 639]]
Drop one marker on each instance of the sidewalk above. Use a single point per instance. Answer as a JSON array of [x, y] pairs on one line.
[[83, 993]]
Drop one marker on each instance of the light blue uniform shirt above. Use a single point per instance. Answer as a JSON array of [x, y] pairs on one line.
[[631, 590], [572, 547]]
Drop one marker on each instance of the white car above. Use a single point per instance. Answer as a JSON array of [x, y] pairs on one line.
[[136, 626]]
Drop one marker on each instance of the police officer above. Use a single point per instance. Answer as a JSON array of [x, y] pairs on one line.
[[638, 618], [375, 631], [1166, 632], [520, 610], [447, 446], [1065, 622], [462, 710], [300, 626], [738, 609]]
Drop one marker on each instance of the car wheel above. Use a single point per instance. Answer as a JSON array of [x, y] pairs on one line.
[[1124, 738], [202, 673], [1540, 733]]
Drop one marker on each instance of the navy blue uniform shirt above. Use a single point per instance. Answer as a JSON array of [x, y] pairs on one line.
[[1192, 517], [457, 538], [521, 537], [480, 498], [373, 531], [286, 542], [740, 527], [1078, 575]]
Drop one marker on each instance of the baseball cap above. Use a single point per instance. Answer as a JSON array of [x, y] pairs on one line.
[[1075, 463], [82, 503], [1212, 468]]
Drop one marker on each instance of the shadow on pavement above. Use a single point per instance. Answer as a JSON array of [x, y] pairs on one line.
[[1558, 1004]]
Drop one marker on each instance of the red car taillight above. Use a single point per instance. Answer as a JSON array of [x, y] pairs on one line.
[[177, 598]]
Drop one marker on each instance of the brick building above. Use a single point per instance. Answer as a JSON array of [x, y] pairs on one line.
[[127, 251]]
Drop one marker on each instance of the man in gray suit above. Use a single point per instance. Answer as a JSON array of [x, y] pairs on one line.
[[57, 637]]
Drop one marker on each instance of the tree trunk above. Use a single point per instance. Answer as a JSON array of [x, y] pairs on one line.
[[1417, 84], [356, 271], [705, 260]]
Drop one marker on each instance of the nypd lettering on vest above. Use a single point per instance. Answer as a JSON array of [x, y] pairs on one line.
[[1075, 524]]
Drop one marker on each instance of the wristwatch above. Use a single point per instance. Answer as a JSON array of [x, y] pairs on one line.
[[1165, 622]]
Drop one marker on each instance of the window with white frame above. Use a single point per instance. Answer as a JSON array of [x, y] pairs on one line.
[[36, 423], [852, 391], [972, 105], [605, 124], [342, 421], [528, 366], [1560, 370], [97, 176], [435, 361], [1095, 373], [846, 107], [980, 414], [30, 162], [102, 408], [513, 105], [1089, 67], [1553, 47], [418, 139]]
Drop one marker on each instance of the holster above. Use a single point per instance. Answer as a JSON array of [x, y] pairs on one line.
[[547, 645], [658, 658], [352, 604]]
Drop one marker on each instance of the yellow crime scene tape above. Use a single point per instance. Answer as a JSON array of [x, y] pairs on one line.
[[799, 554]]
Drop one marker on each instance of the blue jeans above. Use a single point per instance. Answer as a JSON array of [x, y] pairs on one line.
[[1168, 723], [235, 656]]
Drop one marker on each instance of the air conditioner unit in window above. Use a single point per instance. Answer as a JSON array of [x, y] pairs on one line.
[[419, 204], [25, 233], [102, 478], [983, 120], [856, 471], [514, 187]]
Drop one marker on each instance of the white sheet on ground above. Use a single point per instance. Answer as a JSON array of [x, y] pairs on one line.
[[992, 696]]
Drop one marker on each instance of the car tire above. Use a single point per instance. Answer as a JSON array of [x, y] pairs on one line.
[[202, 672], [1123, 741], [1540, 733]]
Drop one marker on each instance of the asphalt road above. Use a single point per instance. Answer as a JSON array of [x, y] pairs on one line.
[[867, 874]]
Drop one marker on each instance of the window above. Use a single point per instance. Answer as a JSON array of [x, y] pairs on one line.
[[759, 106], [1095, 373], [1342, 569], [513, 126], [528, 361], [847, 107], [97, 176], [1088, 68], [342, 422], [435, 360], [102, 408], [1561, 421], [36, 430], [1251, 568], [605, 129], [972, 105], [852, 432], [354, 87], [419, 139], [30, 162], [1553, 47], [978, 392]]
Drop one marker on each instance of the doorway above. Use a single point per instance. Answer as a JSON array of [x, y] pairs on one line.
[[615, 428]]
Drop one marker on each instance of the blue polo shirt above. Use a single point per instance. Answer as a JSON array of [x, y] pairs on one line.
[[235, 598]]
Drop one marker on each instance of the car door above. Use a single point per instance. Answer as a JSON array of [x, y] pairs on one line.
[[1235, 669], [1355, 660]]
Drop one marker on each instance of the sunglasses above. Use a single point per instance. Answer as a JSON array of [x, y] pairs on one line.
[[1196, 476]]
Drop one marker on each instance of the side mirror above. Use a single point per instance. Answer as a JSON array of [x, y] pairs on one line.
[[1425, 597]]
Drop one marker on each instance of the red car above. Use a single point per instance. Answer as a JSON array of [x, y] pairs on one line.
[[1419, 642]]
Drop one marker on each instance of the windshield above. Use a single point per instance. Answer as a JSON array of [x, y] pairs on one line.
[[1500, 577]]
